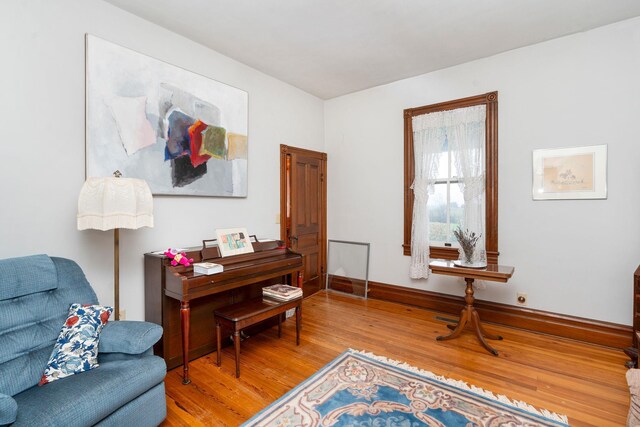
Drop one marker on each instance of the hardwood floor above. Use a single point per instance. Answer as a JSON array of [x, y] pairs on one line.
[[583, 381]]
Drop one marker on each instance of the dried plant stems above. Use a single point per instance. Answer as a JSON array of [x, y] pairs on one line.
[[467, 240]]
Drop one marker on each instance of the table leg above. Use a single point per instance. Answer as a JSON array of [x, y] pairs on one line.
[[470, 315], [464, 318], [483, 331], [632, 353], [475, 321], [465, 314], [185, 316]]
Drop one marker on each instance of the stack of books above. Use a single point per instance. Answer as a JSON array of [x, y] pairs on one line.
[[207, 268], [282, 292]]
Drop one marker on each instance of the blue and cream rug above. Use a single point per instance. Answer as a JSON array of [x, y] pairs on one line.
[[361, 389]]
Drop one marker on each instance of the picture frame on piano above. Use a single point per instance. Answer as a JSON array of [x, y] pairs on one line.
[[233, 241]]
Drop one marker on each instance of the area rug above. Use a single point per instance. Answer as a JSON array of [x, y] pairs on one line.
[[362, 389]]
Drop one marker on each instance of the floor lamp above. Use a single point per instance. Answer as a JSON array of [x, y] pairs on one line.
[[112, 203]]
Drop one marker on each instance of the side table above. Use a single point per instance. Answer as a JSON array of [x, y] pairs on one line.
[[494, 273]]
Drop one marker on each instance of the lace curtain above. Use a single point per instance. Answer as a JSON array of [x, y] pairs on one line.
[[467, 140], [464, 131], [428, 142]]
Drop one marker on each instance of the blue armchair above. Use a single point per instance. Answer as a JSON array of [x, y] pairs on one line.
[[126, 389]]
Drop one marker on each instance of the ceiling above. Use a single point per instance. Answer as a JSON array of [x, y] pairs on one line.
[[333, 47]]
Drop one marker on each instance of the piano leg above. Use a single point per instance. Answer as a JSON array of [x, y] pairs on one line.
[[298, 322], [185, 316], [299, 309]]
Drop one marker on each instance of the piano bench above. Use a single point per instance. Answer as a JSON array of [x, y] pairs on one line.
[[236, 317]]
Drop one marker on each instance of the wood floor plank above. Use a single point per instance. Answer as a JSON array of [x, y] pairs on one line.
[[585, 382]]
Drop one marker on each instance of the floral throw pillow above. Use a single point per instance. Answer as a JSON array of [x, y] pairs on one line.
[[76, 349]]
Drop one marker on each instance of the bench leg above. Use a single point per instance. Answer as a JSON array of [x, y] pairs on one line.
[[218, 344], [298, 323], [236, 344], [279, 325]]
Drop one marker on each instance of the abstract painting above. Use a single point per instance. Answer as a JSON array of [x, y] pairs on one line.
[[183, 133]]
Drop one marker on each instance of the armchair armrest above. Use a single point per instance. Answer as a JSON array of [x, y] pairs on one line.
[[130, 337], [8, 410]]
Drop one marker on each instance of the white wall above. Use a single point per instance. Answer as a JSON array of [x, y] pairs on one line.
[[571, 257], [42, 93]]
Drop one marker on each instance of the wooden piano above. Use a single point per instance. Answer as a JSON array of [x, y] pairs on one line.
[[183, 303]]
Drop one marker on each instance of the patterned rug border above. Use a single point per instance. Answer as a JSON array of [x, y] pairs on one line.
[[477, 391], [517, 404]]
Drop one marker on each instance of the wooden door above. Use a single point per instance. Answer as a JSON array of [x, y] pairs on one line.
[[303, 211]]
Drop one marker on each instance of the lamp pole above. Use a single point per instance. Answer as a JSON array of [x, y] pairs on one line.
[[116, 270], [116, 262]]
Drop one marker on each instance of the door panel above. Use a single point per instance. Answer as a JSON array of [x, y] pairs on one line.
[[305, 227], [305, 232]]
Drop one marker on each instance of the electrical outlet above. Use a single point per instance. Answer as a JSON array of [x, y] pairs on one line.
[[521, 299], [123, 314]]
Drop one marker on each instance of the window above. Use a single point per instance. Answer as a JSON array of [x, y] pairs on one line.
[[446, 204]]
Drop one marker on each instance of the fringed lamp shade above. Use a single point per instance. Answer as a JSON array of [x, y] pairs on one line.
[[109, 203], [112, 203]]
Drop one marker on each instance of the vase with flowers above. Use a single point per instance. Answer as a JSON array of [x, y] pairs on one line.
[[470, 256]]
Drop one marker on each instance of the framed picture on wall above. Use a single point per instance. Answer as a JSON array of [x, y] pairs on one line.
[[183, 133], [233, 241], [570, 173]]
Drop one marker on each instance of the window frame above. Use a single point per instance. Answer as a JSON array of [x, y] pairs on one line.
[[490, 100]]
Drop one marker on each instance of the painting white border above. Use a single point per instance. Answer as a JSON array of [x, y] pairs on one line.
[[599, 190], [225, 250]]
